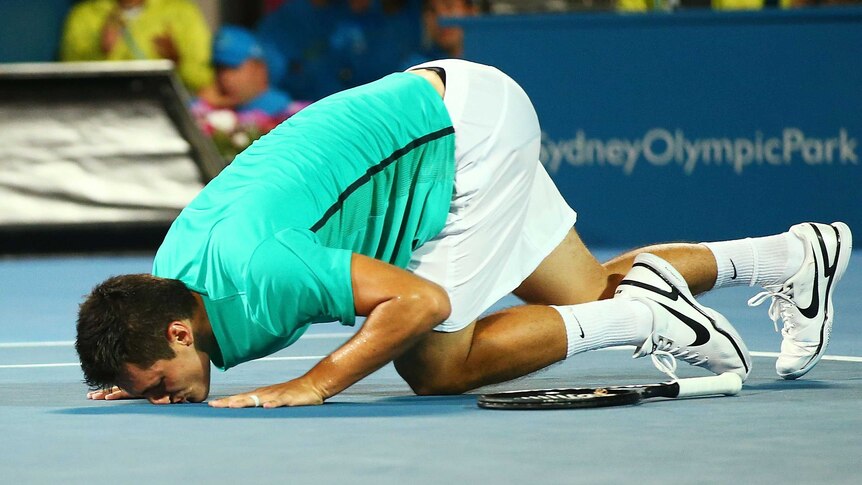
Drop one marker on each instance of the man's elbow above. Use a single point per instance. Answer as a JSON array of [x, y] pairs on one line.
[[431, 302]]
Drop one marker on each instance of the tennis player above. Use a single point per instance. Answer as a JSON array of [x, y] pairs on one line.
[[417, 202]]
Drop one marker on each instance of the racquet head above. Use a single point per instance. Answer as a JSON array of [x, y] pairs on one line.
[[560, 398], [726, 384]]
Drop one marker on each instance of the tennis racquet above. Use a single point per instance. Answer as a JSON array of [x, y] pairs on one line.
[[725, 384]]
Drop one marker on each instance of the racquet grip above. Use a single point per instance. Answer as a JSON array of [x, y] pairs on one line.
[[727, 383]]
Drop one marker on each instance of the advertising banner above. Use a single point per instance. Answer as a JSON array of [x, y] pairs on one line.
[[694, 125]]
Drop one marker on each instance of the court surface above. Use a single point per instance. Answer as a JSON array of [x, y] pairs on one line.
[[774, 431]]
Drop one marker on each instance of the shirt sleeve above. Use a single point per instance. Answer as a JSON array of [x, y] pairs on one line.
[[293, 280], [82, 33], [193, 39]]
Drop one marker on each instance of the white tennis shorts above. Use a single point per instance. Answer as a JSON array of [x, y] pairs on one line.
[[506, 214]]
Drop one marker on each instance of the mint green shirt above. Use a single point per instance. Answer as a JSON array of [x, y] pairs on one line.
[[268, 242]]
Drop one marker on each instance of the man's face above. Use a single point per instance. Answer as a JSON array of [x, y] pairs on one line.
[[244, 82], [185, 378]]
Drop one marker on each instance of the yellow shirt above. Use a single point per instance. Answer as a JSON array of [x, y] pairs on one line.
[[182, 20], [644, 5]]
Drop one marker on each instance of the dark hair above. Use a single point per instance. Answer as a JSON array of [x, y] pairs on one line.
[[124, 321]]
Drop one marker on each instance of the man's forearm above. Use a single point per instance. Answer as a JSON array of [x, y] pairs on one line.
[[389, 331]]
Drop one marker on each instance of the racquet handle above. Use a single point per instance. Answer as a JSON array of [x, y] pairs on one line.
[[727, 383]]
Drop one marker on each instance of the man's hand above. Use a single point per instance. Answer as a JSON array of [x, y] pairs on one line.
[[111, 31], [298, 392], [213, 97], [166, 48], [110, 394]]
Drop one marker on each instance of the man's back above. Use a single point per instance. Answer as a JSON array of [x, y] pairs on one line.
[[369, 170]]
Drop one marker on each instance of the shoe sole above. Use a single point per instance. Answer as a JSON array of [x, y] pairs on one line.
[[845, 249]]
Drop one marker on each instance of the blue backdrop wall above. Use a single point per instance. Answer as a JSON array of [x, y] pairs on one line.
[[30, 29], [691, 126]]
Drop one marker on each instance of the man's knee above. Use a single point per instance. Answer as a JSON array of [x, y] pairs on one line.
[[434, 382], [438, 364]]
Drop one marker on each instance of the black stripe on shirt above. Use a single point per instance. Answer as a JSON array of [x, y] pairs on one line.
[[375, 169]]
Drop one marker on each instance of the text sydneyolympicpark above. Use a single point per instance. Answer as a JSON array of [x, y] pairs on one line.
[[663, 146]]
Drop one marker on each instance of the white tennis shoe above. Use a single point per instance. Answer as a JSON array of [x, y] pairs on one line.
[[682, 328], [804, 302]]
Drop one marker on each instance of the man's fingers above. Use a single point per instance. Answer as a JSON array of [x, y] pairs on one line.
[[237, 401], [249, 400], [111, 393], [117, 393], [291, 393]]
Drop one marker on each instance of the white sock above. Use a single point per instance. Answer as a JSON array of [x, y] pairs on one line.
[[605, 323], [763, 261]]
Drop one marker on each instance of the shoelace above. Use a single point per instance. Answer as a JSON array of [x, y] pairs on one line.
[[664, 361], [664, 357], [782, 304]]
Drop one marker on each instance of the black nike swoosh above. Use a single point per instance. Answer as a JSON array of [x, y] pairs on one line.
[[828, 271], [701, 334], [814, 306], [734, 270], [582, 328], [674, 294]]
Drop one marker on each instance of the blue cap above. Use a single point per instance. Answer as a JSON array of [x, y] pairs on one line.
[[234, 45]]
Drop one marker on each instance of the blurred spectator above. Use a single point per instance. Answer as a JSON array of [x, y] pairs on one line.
[[442, 41], [447, 39], [248, 105], [98, 30], [645, 5], [332, 45], [271, 5], [374, 38], [820, 3], [244, 73], [300, 30]]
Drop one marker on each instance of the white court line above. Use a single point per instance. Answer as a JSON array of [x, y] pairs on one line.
[[71, 343], [38, 366], [75, 364], [837, 358], [294, 357], [834, 358], [30, 345]]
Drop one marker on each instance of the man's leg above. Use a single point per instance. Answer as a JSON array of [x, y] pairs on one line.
[[517, 341], [571, 274], [797, 269], [762, 261], [503, 346], [520, 340]]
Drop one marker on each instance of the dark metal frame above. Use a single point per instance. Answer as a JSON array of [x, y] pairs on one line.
[[121, 81]]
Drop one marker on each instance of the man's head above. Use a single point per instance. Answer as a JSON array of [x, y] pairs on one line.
[[241, 64], [138, 332]]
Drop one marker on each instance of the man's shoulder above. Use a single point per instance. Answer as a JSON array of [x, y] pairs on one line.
[[296, 258], [287, 247]]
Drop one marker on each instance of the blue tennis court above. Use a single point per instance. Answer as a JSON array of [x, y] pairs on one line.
[[774, 431]]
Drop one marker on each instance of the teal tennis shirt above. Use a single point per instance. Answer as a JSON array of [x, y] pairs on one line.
[[268, 242]]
